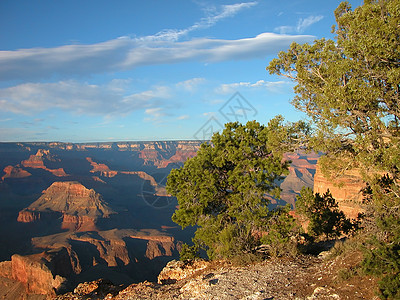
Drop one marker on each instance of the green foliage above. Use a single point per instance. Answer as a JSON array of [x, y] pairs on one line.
[[382, 252], [189, 252], [384, 261], [282, 234], [222, 190], [323, 214], [350, 89]]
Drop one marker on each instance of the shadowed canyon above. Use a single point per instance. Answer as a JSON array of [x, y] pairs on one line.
[[71, 213]]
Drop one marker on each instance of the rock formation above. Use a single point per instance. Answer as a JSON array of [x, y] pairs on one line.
[[301, 173], [15, 172], [102, 168], [79, 207], [161, 154], [37, 162], [177, 270], [131, 246], [105, 171], [346, 189], [43, 273]]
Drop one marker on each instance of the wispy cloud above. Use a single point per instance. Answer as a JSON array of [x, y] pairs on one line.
[[273, 86], [214, 15], [109, 100], [301, 26], [125, 53], [183, 117], [78, 98], [190, 85], [155, 114]]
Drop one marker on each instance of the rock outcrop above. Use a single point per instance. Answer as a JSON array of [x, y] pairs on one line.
[[43, 273], [346, 189], [161, 154], [79, 207], [177, 270], [112, 248], [157, 245], [300, 278], [102, 168], [105, 171], [37, 162], [15, 172]]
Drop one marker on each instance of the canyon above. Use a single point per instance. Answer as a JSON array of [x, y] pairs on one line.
[[71, 213]]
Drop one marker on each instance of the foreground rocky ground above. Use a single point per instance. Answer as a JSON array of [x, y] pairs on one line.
[[306, 277]]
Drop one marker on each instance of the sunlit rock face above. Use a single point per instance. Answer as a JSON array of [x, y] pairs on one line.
[[78, 206], [37, 161], [15, 172], [346, 189]]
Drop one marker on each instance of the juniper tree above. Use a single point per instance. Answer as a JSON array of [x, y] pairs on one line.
[[350, 89], [223, 189]]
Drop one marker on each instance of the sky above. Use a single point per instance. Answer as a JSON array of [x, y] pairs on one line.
[[134, 70]]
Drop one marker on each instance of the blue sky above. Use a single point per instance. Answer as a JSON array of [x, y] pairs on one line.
[[96, 70]]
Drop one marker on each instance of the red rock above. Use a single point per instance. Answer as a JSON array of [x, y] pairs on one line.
[[162, 154], [37, 162], [80, 207], [158, 245], [97, 167], [78, 223], [42, 273], [25, 216], [15, 172], [346, 189], [6, 269]]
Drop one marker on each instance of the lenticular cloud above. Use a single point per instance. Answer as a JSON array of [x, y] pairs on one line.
[[128, 53]]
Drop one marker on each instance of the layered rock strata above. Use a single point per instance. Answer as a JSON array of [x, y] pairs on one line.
[[79, 207], [37, 162], [346, 189]]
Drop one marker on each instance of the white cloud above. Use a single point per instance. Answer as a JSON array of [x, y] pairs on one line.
[[284, 29], [191, 84], [118, 54], [273, 86], [126, 53], [214, 15], [156, 114], [183, 117], [302, 25], [78, 98]]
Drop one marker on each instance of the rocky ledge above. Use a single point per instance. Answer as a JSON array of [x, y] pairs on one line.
[[306, 277]]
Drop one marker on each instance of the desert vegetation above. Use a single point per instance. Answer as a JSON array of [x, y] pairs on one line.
[[349, 89]]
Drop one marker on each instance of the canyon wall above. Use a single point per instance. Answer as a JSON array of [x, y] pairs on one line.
[[346, 189]]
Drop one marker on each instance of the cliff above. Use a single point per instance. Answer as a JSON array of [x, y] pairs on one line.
[[346, 189], [301, 173], [43, 273]]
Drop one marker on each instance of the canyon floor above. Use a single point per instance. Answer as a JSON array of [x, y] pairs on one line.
[[305, 277]]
